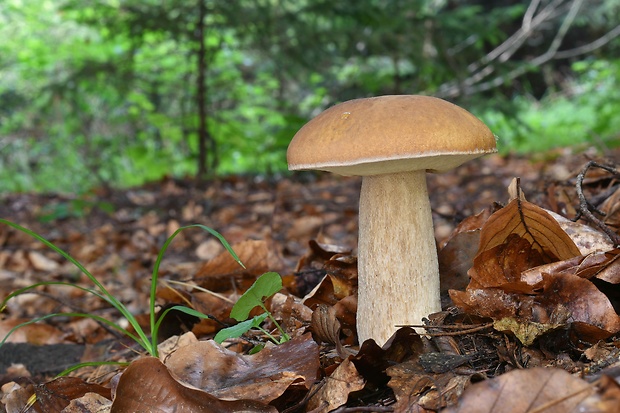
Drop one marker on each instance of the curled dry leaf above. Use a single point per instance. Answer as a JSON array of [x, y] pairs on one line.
[[263, 376], [53, 396], [538, 389], [324, 325], [506, 286], [587, 239], [147, 386], [603, 265], [216, 273], [326, 328], [458, 251], [89, 403], [294, 314], [532, 223], [335, 389], [611, 209], [38, 333], [417, 391], [557, 301], [503, 264]]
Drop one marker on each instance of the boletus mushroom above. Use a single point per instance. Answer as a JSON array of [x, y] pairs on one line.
[[392, 141]]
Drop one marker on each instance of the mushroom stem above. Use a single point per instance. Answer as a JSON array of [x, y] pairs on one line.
[[397, 258]]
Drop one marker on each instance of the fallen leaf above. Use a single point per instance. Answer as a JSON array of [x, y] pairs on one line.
[[606, 399], [511, 282], [532, 223], [336, 388], [253, 254], [603, 265], [559, 301], [587, 239], [89, 403], [503, 264], [37, 333], [263, 376], [55, 395], [41, 262], [147, 386], [538, 389]]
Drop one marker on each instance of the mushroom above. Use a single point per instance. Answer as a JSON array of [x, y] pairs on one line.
[[392, 141]]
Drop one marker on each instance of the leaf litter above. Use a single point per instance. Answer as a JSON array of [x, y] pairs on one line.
[[531, 301]]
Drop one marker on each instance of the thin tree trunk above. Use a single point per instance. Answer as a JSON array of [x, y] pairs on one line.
[[205, 140]]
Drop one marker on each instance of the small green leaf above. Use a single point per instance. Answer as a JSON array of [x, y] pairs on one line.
[[256, 349], [239, 329], [265, 286]]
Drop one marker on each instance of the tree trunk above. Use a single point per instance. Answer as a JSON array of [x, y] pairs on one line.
[[205, 140]]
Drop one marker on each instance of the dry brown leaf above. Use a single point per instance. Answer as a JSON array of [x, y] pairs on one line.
[[147, 386], [305, 227], [530, 303], [253, 254], [263, 376], [606, 399], [336, 388], [457, 252], [587, 239], [409, 383], [37, 333], [294, 314], [41, 262], [456, 258], [559, 301], [537, 390], [324, 325], [15, 397], [602, 265], [503, 264], [89, 403], [53, 396], [531, 223], [611, 208]]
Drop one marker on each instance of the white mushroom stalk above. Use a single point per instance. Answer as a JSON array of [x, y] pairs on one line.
[[398, 276]]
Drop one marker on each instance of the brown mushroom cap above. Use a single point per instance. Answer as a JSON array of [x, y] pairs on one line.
[[389, 134]]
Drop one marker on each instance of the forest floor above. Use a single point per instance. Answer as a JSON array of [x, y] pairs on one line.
[[304, 228]]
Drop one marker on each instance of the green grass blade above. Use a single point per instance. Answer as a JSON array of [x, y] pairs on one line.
[[154, 323], [90, 364], [144, 344], [103, 291], [43, 283], [180, 308]]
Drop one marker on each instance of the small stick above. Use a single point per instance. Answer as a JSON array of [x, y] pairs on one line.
[[449, 333], [585, 207]]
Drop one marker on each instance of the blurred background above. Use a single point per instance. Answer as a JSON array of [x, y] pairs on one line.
[[116, 93]]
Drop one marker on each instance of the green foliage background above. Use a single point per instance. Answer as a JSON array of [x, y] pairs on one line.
[[103, 92]]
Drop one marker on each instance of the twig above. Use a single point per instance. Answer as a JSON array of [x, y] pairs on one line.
[[344, 409], [585, 208], [533, 19], [449, 333]]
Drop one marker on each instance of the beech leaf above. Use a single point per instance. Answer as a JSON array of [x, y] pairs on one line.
[[532, 223], [548, 390]]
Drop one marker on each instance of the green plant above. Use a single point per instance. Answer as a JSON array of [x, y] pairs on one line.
[[73, 208], [264, 287], [140, 336]]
